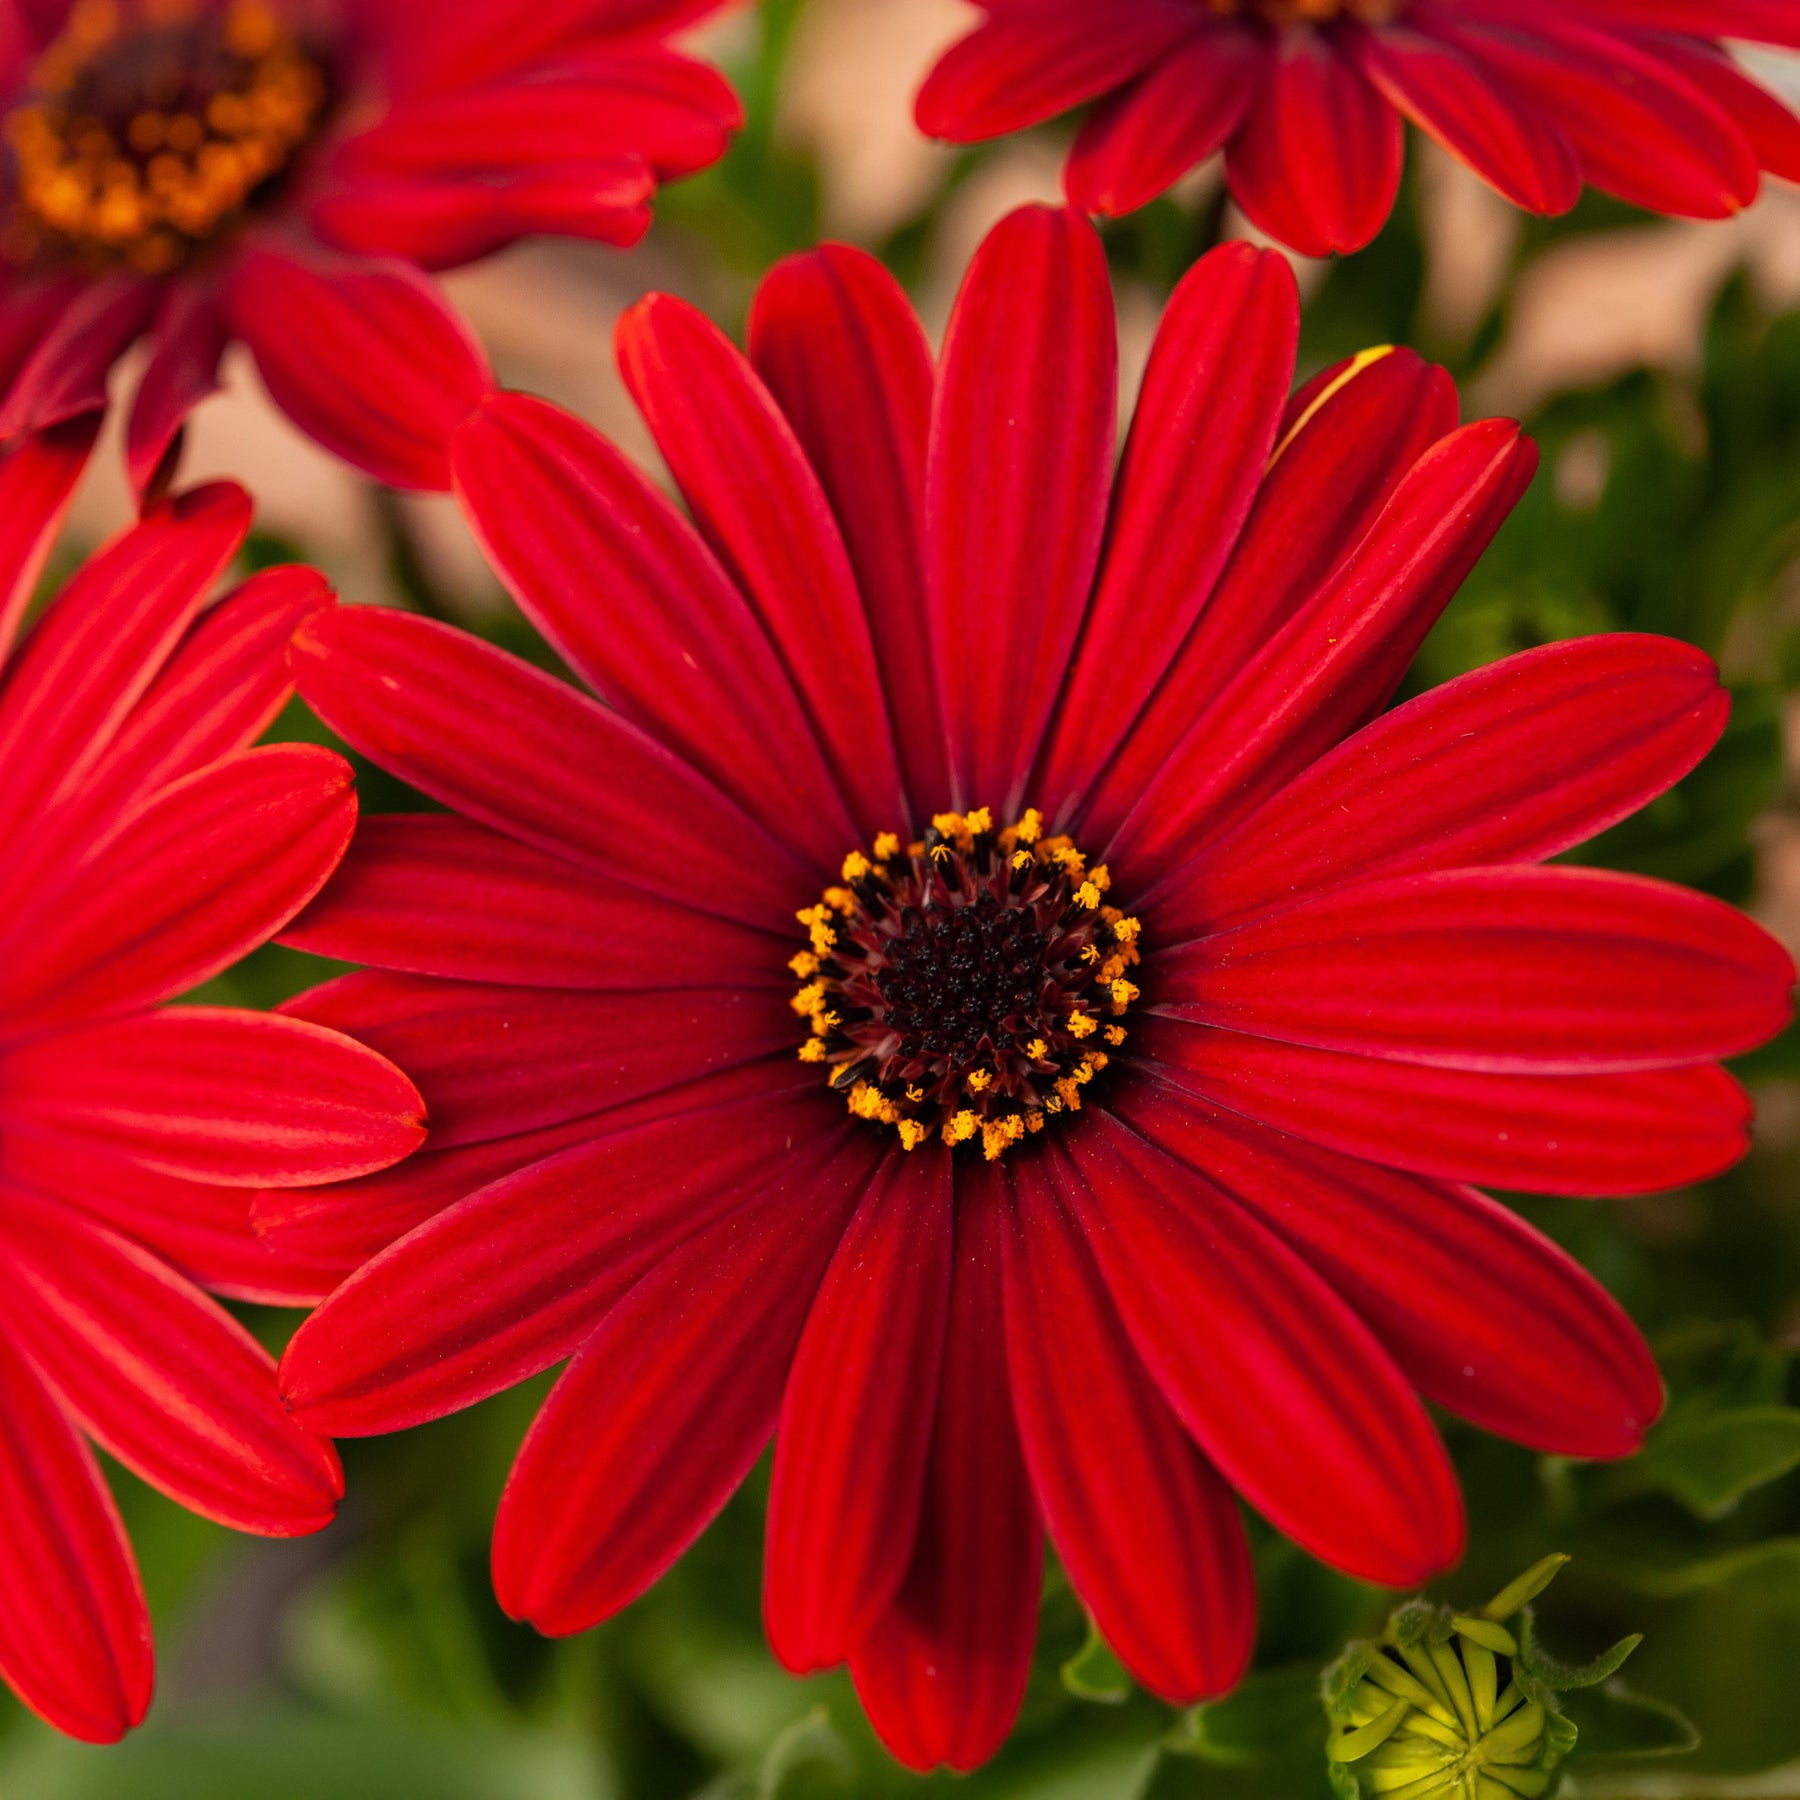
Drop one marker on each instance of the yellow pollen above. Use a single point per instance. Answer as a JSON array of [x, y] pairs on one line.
[[809, 1000], [805, 965], [1090, 953], [1114, 1035], [1123, 993], [1080, 1025], [997, 1134], [887, 846], [103, 180], [1126, 930], [979, 1081], [1022, 859], [947, 825], [979, 821], [1031, 827], [1037, 1049], [961, 1127], [824, 1023], [813, 1050], [914, 1093], [1087, 895], [912, 1133], [1068, 1090], [1034, 1120], [840, 900], [856, 866], [941, 853]]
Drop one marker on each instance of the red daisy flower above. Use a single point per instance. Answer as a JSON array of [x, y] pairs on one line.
[[279, 171], [1306, 99], [795, 1071], [143, 848]]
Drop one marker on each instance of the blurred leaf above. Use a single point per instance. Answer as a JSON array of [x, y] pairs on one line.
[[1274, 1715], [1095, 1673], [1615, 1720], [1709, 1461], [289, 1757]]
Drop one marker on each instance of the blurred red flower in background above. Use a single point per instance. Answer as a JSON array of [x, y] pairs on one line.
[[280, 171], [143, 849], [1102, 1185], [1307, 98]]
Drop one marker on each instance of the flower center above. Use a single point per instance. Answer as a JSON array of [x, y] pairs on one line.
[[152, 126], [1292, 12], [967, 986]]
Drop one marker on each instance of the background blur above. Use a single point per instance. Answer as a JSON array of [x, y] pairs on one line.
[[1659, 367]]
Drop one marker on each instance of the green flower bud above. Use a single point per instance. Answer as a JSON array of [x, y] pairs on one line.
[[1454, 1705]]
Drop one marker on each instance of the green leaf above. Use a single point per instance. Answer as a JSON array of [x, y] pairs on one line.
[[1095, 1673], [1615, 1720], [1275, 1714], [1710, 1460], [1559, 1677], [809, 1761]]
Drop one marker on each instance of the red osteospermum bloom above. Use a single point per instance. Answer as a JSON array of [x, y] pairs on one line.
[[1307, 97], [280, 171], [794, 1071], [143, 848]]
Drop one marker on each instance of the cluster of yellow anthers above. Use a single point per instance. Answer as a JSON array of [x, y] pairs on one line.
[[1004, 935], [152, 125]]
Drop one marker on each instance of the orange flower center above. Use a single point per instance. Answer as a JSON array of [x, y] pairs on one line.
[[152, 126], [1293, 12], [966, 987]]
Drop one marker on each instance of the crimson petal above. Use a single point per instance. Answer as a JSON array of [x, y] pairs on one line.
[[943, 1674], [670, 1401], [1487, 1317], [165, 1378], [1148, 1533], [74, 1629], [856, 1421], [1285, 1389]]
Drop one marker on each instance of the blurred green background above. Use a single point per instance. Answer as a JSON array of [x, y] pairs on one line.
[[372, 1661]]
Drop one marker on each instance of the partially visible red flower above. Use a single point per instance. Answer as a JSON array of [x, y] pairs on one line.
[[281, 171], [794, 1072], [1307, 99], [143, 848]]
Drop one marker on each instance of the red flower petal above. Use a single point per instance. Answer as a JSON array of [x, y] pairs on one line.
[[515, 1276], [1317, 162], [1148, 1533], [1760, 21], [431, 894], [364, 356], [944, 1672], [623, 586], [37, 481], [441, 223], [1642, 130], [514, 748], [836, 339], [1541, 1134], [1350, 439], [759, 504], [1284, 1387], [101, 644], [74, 1630], [1485, 1315], [65, 374], [1473, 112], [186, 342], [1513, 762], [1767, 122], [1521, 970], [165, 1378], [1014, 71], [856, 1421], [671, 1400], [1339, 659], [194, 1227], [1016, 493], [199, 877], [1206, 420], [246, 1099], [595, 105], [1141, 140], [496, 1061]]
